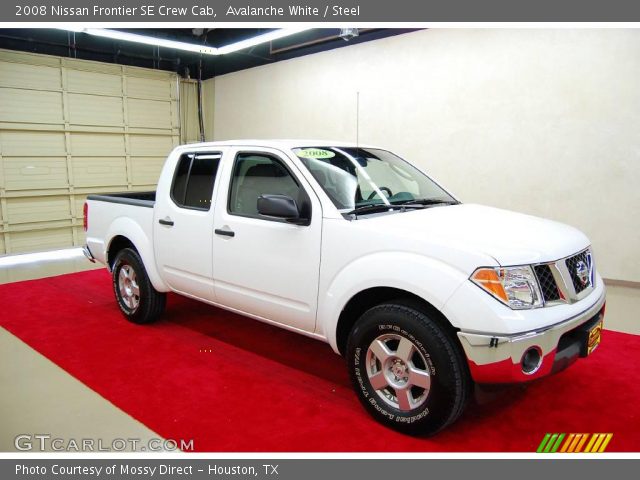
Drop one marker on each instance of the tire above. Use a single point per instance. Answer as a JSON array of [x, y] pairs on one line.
[[139, 302], [408, 371]]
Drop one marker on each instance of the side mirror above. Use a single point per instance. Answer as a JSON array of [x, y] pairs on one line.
[[281, 206]]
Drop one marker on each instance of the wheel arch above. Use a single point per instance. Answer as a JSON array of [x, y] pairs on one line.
[[125, 233], [371, 297], [382, 276], [117, 244]]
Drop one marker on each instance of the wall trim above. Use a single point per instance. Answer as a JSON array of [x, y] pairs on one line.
[[621, 283]]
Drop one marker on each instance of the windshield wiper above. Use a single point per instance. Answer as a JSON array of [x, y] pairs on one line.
[[417, 203], [426, 201], [381, 207]]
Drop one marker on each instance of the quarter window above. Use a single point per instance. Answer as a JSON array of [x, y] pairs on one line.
[[193, 182]]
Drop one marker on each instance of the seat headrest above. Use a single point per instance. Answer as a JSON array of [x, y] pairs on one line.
[[320, 176], [266, 170]]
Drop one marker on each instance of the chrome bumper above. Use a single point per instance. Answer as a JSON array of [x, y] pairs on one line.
[[88, 254], [497, 359]]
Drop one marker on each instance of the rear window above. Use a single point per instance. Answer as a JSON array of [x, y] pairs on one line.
[[194, 179]]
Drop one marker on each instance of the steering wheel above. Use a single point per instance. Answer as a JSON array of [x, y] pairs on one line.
[[386, 189]]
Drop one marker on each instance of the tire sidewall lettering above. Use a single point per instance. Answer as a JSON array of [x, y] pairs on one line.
[[370, 395], [358, 373], [398, 330]]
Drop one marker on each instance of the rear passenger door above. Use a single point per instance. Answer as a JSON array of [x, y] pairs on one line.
[[265, 266], [183, 224]]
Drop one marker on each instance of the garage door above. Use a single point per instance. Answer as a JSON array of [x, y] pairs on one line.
[[69, 128]]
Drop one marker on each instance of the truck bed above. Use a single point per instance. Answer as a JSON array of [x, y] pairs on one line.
[[139, 199], [130, 212]]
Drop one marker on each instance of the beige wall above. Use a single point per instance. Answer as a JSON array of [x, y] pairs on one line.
[[69, 128], [540, 121]]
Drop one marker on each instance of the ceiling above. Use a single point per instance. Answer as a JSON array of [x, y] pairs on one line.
[[81, 45]]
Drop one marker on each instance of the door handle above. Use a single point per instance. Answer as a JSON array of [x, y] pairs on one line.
[[166, 221], [225, 233]]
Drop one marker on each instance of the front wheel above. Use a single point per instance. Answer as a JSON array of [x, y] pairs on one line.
[[136, 297], [407, 370]]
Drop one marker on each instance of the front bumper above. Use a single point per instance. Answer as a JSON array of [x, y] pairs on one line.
[[498, 358]]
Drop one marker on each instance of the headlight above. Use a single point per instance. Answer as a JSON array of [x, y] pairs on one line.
[[516, 287]]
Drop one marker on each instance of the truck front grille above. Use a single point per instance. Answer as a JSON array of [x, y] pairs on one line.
[[572, 266], [566, 280], [548, 286]]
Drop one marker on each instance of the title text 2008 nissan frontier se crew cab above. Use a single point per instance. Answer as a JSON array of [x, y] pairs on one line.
[[352, 245]]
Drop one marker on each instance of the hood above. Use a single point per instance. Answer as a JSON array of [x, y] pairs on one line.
[[510, 238]]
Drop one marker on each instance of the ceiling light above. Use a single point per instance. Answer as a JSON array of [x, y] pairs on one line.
[[348, 33], [188, 47], [153, 41], [264, 38]]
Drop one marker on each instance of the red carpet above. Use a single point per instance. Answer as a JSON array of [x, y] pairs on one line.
[[264, 389]]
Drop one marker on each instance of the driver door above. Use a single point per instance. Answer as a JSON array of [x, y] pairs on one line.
[[265, 266]]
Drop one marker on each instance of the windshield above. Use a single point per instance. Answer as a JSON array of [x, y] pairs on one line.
[[359, 177]]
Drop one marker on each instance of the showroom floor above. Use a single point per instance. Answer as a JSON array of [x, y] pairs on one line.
[[47, 400]]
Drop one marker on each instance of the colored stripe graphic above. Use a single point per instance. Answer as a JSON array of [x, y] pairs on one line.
[[557, 444], [543, 443], [596, 446], [550, 443], [592, 440], [570, 439], [574, 443], [582, 441], [608, 438]]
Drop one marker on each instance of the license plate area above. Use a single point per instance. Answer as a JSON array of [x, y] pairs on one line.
[[586, 336], [594, 336]]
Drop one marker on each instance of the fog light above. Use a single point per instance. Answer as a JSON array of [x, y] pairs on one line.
[[531, 360]]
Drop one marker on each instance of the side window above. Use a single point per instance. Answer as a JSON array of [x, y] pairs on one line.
[[255, 174], [194, 178]]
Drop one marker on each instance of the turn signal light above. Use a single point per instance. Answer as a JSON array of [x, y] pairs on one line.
[[85, 216], [488, 279]]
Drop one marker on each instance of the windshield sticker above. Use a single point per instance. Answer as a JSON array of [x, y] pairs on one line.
[[315, 153]]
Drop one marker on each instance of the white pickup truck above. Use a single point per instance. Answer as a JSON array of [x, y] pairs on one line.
[[352, 245]]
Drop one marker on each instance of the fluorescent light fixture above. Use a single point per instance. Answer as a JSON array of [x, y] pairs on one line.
[[264, 38], [156, 42], [188, 47]]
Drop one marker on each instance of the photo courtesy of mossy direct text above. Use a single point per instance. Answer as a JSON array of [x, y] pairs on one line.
[[145, 470]]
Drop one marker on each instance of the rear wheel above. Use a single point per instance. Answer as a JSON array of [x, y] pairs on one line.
[[408, 371], [135, 295]]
